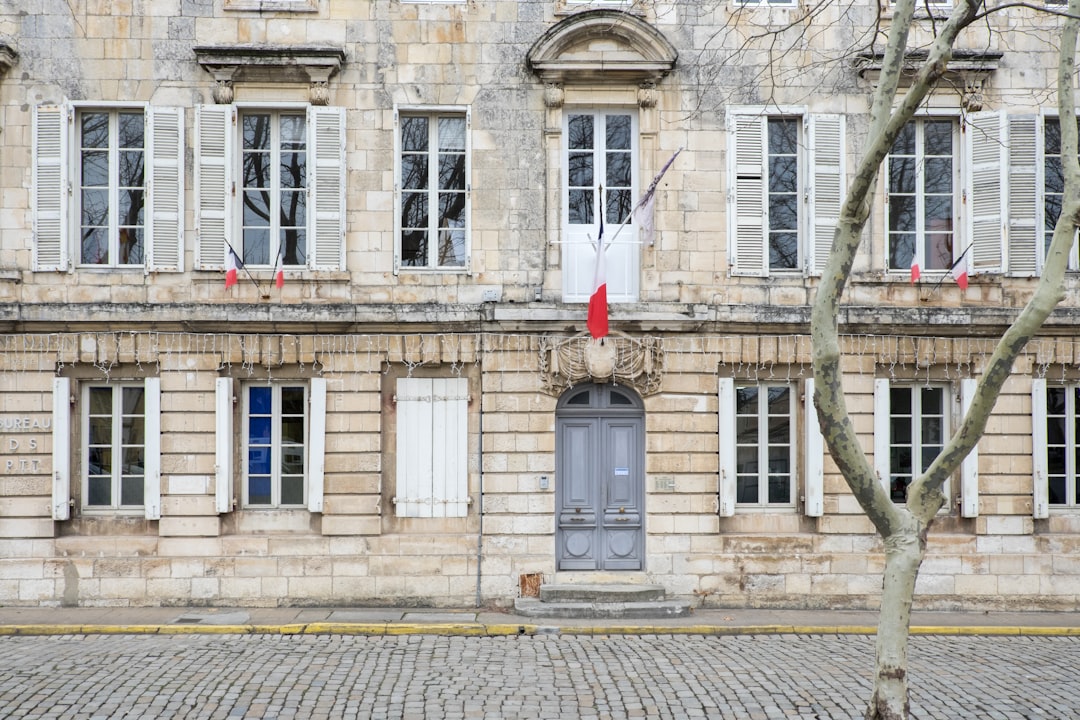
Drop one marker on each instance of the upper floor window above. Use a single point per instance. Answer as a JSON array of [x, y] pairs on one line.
[[433, 190], [785, 175], [921, 204], [125, 164], [600, 166], [274, 186], [270, 183], [112, 187], [766, 3], [1053, 178]]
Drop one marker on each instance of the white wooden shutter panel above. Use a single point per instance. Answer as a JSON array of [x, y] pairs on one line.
[[165, 201], [814, 457], [152, 449], [223, 444], [326, 188], [61, 451], [215, 126], [726, 395], [52, 188], [969, 468], [1025, 196], [450, 461], [1040, 496], [317, 444], [747, 232], [413, 447], [882, 441], [826, 160], [984, 185]]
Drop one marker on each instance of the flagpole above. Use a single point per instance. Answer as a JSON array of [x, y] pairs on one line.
[[645, 198], [246, 271], [951, 268]]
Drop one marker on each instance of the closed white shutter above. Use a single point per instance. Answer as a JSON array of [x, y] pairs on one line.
[[882, 442], [814, 458], [152, 433], [1040, 505], [826, 160], [432, 447], [215, 126], [52, 187], [969, 468], [726, 396], [165, 180], [984, 185], [747, 232], [223, 444], [316, 444], [1025, 196], [61, 450], [326, 188]]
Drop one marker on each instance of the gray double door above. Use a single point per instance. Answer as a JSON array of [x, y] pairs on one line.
[[600, 479]]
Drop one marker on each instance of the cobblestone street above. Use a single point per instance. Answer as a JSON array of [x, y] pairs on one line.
[[543, 676]]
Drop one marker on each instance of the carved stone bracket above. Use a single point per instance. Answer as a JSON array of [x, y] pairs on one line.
[[646, 95], [554, 95], [973, 93], [633, 362]]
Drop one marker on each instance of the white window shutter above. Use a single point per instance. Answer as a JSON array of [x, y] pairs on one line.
[[326, 188], [1025, 196], [882, 441], [316, 444], [414, 447], [747, 232], [52, 187], [450, 461], [984, 185], [726, 395], [215, 126], [165, 192], [1040, 505], [826, 160], [61, 451], [969, 468], [223, 442], [814, 460], [152, 434]]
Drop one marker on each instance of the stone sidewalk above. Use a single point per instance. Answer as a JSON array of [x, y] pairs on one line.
[[488, 622]]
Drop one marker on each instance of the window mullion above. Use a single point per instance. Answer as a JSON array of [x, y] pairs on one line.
[[275, 446], [114, 189], [763, 444], [433, 191], [275, 189], [116, 443], [1070, 443], [920, 204]]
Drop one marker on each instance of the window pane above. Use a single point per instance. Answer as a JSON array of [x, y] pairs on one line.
[[259, 491], [256, 169], [131, 130], [134, 462], [258, 461], [100, 400], [580, 207], [293, 246], [783, 250], [95, 247], [452, 247], [618, 170], [293, 132], [292, 491], [746, 489], [95, 169], [414, 134], [618, 133], [414, 248], [293, 170], [95, 130], [452, 133], [100, 430], [905, 141], [618, 206], [256, 246], [580, 132], [902, 213], [260, 400], [131, 491], [938, 178], [259, 430], [779, 489], [783, 174], [746, 459], [451, 172], [99, 491], [937, 136], [580, 170], [933, 401], [292, 430], [783, 136], [292, 461], [131, 168], [414, 172], [414, 210], [256, 131], [99, 460], [95, 208], [256, 208]]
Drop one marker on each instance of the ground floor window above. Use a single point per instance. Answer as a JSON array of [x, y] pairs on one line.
[[114, 446], [917, 427], [765, 460], [1062, 425], [275, 445]]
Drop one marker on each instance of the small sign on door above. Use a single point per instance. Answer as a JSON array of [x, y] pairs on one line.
[[621, 471]]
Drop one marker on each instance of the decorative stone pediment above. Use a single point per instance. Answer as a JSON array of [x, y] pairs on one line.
[[602, 45], [314, 65]]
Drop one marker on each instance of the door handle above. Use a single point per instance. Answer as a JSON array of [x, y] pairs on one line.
[[622, 519]]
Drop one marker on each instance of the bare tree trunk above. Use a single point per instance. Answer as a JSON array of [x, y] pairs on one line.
[[904, 552]]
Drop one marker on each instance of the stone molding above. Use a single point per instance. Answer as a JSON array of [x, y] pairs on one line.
[[228, 64]]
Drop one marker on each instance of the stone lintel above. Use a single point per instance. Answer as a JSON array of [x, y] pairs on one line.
[[270, 63]]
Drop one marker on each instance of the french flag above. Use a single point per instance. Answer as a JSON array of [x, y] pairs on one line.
[[232, 266], [597, 320]]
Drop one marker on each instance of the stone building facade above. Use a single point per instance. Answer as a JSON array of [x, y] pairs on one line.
[[414, 413]]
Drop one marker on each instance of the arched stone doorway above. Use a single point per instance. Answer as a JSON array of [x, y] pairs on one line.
[[600, 479]]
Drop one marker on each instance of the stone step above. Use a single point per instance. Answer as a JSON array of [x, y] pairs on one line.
[[650, 609], [601, 593]]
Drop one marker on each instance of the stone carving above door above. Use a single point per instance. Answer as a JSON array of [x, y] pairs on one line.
[[634, 362]]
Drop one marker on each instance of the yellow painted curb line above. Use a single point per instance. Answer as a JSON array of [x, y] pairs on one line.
[[517, 629]]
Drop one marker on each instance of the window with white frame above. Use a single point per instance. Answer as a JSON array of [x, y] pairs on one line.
[[921, 200], [766, 3], [275, 437], [270, 184], [600, 167], [765, 445], [432, 447], [121, 447], [786, 179], [1059, 471], [911, 424], [1053, 186], [125, 164], [433, 190]]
